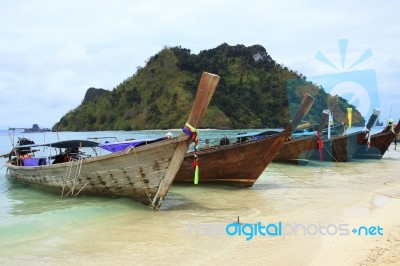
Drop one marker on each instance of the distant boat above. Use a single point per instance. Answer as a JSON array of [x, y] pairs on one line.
[[241, 163], [343, 148], [339, 148], [35, 128], [143, 173], [300, 149], [379, 143]]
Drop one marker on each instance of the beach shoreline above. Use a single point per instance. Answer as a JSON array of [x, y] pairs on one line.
[[365, 249], [40, 228]]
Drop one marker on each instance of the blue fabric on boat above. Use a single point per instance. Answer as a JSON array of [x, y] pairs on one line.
[[31, 161], [123, 145]]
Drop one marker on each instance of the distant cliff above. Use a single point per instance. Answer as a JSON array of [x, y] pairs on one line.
[[254, 91], [93, 93]]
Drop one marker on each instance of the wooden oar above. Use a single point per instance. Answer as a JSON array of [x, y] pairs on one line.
[[207, 86]]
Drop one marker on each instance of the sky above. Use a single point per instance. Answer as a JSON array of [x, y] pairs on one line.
[[51, 52]]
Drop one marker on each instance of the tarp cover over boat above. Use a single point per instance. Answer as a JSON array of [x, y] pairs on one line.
[[65, 144]]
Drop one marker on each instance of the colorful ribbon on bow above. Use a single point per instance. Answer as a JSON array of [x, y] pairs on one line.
[[320, 145], [369, 141], [193, 134]]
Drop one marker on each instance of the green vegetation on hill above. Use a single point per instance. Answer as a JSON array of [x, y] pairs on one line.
[[253, 91]]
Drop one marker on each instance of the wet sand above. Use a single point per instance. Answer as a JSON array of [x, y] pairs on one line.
[[187, 231]]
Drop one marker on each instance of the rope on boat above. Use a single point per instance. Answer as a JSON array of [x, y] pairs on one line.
[[193, 133], [74, 182], [151, 205], [330, 154], [87, 182], [67, 176], [294, 179], [77, 173]]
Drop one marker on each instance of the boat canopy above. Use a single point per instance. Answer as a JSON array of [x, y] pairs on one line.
[[64, 144]]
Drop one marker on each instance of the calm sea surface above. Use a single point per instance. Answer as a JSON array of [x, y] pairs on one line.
[[41, 228]]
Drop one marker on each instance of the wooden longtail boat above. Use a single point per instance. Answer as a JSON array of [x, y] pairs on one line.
[[343, 148], [144, 173], [378, 143], [239, 164], [300, 150], [339, 148]]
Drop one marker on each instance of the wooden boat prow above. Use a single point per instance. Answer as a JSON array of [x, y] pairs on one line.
[[300, 150], [343, 148], [144, 173], [379, 143], [240, 164]]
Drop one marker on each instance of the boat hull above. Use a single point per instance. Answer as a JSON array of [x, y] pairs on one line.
[[237, 165], [339, 148], [134, 173], [379, 144], [143, 173], [297, 151]]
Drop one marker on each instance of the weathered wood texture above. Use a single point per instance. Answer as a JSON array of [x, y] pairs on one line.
[[144, 173], [379, 144], [299, 151], [239, 164], [339, 148], [296, 151]]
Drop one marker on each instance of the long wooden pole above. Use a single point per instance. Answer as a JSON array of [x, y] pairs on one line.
[[207, 86], [305, 106], [324, 119]]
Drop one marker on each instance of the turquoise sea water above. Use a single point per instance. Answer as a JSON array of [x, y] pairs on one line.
[[41, 228], [27, 213]]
